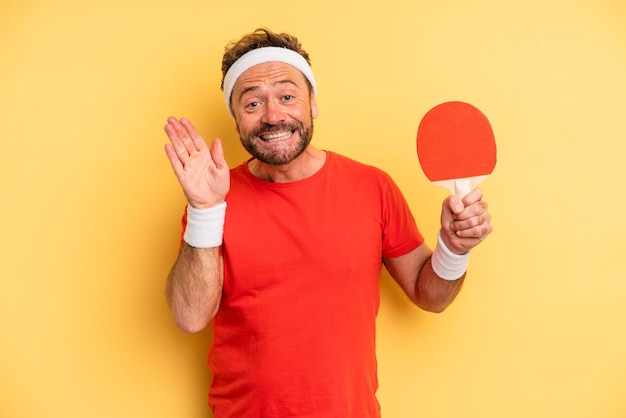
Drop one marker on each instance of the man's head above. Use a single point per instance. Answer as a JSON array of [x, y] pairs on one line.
[[260, 38], [270, 91]]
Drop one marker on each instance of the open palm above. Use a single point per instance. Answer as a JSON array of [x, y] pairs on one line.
[[201, 171]]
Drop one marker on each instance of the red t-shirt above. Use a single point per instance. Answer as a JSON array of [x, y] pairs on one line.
[[295, 332]]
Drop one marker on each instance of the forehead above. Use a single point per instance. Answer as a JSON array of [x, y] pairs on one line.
[[269, 73]]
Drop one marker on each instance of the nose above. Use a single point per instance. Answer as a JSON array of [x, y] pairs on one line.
[[273, 113]]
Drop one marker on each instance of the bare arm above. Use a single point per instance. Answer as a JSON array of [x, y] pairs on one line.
[[464, 224], [194, 285], [414, 273]]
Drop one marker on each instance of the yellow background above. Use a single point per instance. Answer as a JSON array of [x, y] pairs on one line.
[[90, 208]]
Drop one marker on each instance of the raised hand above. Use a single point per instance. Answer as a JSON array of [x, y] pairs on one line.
[[201, 171], [465, 222]]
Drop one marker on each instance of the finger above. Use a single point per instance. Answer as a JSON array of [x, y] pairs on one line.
[[183, 133], [177, 144], [472, 197], [478, 233], [174, 159], [472, 226], [196, 139], [459, 224], [217, 154], [170, 129], [176, 127], [473, 210], [455, 204]]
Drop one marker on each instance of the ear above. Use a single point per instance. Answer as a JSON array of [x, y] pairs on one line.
[[314, 111]]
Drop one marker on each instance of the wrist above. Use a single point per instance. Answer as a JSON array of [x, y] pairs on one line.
[[205, 227], [447, 264]]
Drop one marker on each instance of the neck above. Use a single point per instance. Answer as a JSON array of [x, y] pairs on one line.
[[305, 165]]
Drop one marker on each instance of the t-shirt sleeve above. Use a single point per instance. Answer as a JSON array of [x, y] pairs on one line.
[[400, 232]]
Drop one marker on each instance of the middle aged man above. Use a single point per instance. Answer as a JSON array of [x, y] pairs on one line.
[[289, 274]]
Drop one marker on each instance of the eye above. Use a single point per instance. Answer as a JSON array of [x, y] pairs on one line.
[[252, 105], [287, 97]]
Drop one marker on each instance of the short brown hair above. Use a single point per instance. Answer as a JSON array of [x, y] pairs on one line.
[[260, 38]]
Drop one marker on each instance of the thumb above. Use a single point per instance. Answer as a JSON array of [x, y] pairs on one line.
[[455, 203], [449, 209]]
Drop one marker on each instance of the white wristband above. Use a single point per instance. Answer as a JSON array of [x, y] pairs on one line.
[[446, 264], [205, 227]]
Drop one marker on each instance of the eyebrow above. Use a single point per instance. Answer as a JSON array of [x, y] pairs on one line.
[[256, 87]]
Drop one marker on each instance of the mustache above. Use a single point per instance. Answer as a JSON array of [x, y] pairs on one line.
[[265, 129]]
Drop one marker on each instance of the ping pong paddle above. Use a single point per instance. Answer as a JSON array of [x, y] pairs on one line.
[[456, 146]]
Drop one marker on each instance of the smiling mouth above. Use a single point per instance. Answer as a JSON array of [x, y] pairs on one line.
[[276, 136]]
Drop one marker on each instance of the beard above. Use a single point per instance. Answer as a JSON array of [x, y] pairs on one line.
[[282, 156]]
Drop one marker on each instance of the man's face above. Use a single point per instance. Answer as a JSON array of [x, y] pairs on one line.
[[274, 112]]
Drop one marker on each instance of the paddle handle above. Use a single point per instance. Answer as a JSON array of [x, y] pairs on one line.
[[462, 186]]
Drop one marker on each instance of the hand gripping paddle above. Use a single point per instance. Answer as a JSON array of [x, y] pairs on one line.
[[456, 147]]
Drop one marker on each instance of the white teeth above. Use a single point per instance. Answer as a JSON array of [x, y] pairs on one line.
[[275, 137]]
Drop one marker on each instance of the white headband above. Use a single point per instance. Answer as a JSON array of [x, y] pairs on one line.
[[260, 56]]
